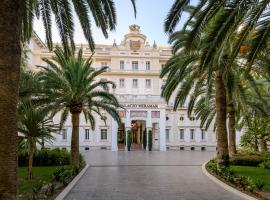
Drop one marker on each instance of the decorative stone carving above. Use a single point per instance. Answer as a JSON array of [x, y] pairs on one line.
[[135, 45]]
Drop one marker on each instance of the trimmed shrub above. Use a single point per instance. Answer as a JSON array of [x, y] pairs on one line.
[[144, 139], [150, 138], [129, 138], [45, 157], [246, 160]]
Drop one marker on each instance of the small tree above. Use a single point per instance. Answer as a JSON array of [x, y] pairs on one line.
[[129, 139], [150, 138], [35, 125], [144, 139]]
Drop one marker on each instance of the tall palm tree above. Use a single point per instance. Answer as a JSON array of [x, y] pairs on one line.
[[71, 87], [192, 72], [35, 125], [16, 24]]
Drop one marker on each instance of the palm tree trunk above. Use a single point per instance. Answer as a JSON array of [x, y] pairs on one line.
[[263, 145], [221, 131], [232, 135], [75, 157], [30, 165], [10, 56]]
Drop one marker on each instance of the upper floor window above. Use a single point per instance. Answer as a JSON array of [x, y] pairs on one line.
[[135, 65], [192, 118], [192, 134], [122, 64], [122, 83], [103, 134], [64, 134], [162, 66], [135, 83], [202, 134], [167, 134], [86, 134], [182, 132], [148, 83], [148, 65], [181, 118]]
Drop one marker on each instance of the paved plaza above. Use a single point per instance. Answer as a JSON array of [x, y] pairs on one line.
[[139, 175]]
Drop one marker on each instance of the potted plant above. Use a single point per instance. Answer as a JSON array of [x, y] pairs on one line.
[[150, 140], [144, 140], [129, 139]]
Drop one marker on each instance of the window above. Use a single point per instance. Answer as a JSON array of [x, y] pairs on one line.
[[103, 134], [147, 65], [148, 83], [64, 134], [182, 134], [135, 65], [203, 134], [122, 64], [86, 134], [181, 118], [162, 66], [167, 134], [192, 118], [135, 83], [192, 136], [122, 83]]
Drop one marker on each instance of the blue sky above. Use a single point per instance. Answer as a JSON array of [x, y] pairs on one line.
[[150, 16]]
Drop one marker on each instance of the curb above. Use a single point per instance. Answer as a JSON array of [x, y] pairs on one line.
[[67, 189], [225, 186]]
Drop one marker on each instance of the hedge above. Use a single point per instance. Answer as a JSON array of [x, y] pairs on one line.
[[45, 157], [247, 160]]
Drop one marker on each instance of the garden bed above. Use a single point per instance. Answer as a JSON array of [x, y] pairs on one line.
[[251, 180]]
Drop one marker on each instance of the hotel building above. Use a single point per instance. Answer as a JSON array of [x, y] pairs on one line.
[[134, 66]]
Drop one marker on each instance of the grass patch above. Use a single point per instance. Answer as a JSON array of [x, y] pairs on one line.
[[43, 174], [254, 173]]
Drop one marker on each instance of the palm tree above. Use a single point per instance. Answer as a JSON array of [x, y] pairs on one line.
[[16, 17], [35, 125], [191, 72], [71, 87]]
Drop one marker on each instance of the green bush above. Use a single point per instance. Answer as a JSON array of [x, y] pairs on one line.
[[144, 140], [246, 160], [45, 157], [129, 138], [150, 138], [259, 184], [265, 164]]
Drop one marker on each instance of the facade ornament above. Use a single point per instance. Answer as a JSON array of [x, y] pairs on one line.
[[154, 45], [114, 43], [135, 28]]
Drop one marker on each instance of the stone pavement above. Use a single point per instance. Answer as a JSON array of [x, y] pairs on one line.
[[139, 175]]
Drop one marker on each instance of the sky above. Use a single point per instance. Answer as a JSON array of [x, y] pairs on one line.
[[150, 16]]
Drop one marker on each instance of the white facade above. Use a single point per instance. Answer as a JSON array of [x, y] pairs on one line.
[[134, 66]]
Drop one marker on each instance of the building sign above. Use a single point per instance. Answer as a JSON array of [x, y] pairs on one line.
[[146, 106]]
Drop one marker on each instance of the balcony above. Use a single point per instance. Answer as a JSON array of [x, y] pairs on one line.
[[130, 98]]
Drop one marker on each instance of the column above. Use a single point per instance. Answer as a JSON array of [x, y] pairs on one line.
[[162, 132], [148, 127], [127, 126], [114, 136]]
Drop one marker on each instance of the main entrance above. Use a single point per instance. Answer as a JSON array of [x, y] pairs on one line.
[[138, 131]]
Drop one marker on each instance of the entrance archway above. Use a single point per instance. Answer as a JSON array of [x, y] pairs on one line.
[[138, 129]]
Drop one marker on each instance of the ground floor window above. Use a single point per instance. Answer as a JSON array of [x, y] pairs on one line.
[[203, 134], [86, 134], [64, 134], [103, 134], [167, 134], [192, 135], [182, 132]]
